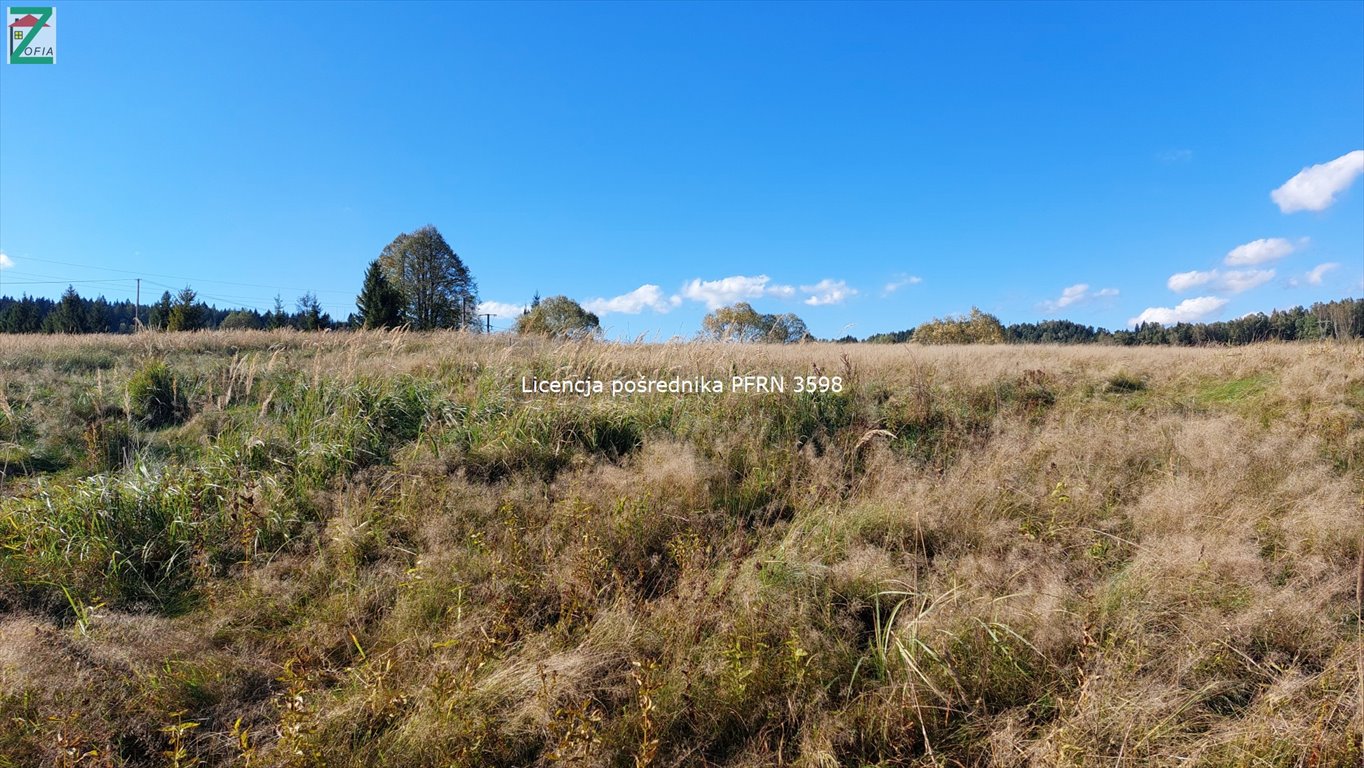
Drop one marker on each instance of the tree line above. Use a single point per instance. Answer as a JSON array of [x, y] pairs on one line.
[[419, 282], [562, 317], [184, 311], [1323, 320]]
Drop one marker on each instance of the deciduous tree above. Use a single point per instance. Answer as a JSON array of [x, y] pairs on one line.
[[558, 317], [976, 328], [438, 290], [741, 322]]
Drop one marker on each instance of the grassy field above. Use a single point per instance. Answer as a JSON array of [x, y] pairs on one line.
[[281, 549]]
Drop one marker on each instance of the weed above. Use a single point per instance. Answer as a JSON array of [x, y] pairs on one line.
[[643, 674], [177, 753]]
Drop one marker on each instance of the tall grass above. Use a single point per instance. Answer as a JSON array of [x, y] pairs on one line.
[[372, 548]]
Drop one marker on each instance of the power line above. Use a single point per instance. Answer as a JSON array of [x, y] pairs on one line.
[[243, 302], [31, 275], [181, 277], [232, 300], [230, 297], [68, 282]]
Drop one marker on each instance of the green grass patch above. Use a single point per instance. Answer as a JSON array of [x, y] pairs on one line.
[[1234, 391]]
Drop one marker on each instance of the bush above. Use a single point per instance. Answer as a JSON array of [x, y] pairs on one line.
[[559, 317], [976, 328], [154, 396]]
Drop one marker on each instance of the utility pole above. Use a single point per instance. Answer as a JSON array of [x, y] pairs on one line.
[[137, 306], [489, 317]]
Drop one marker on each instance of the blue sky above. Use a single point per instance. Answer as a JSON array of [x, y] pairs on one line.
[[864, 166]]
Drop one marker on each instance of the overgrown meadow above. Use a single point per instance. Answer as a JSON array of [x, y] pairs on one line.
[[370, 549]]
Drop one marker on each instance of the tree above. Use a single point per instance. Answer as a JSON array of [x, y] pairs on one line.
[[69, 316], [976, 328], [277, 318], [240, 320], [894, 337], [1052, 332], [741, 322], [310, 317], [380, 302], [186, 314], [96, 313], [438, 290], [159, 315], [558, 317], [786, 329], [22, 316]]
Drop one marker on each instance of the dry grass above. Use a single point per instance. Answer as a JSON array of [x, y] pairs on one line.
[[371, 549]]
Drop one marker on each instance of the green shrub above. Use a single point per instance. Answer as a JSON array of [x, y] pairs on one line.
[[154, 395]]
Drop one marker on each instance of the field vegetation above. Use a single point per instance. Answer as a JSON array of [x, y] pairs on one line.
[[371, 549]]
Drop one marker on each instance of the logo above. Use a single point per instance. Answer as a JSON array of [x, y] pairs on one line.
[[32, 34]]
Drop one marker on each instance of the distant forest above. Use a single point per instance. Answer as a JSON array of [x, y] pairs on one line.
[[73, 313], [1342, 319]]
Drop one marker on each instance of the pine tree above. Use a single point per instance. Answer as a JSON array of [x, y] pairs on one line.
[[70, 316], [186, 314], [379, 302], [277, 318], [309, 312], [159, 315]]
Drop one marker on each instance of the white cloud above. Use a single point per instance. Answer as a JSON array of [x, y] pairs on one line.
[[1239, 280], [827, 292], [1072, 294], [727, 290], [646, 296], [900, 282], [1188, 311], [1315, 187], [1315, 275], [1075, 294], [1233, 280], [1172, 156], [500, 308], [5, 261], [1183, 281], [1260, 251]]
